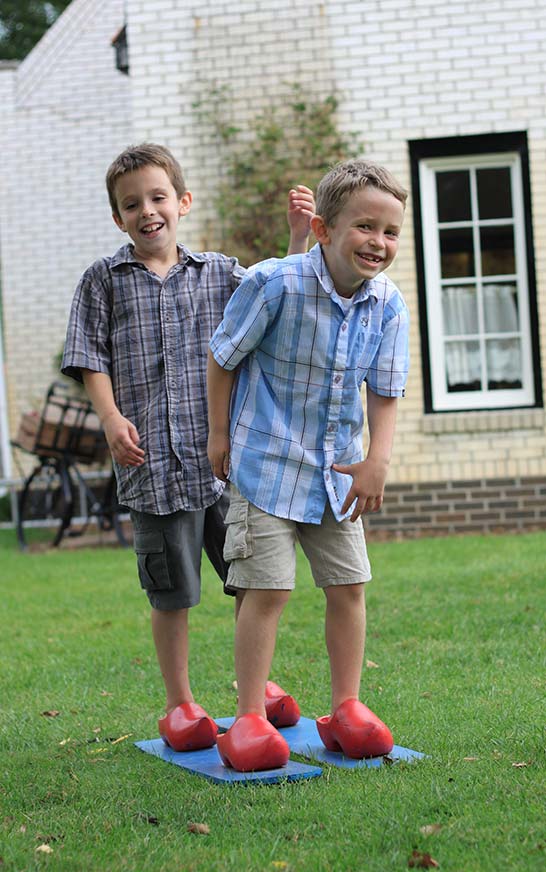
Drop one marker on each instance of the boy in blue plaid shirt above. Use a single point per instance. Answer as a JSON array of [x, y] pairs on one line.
[[303, 334], [137, 337]]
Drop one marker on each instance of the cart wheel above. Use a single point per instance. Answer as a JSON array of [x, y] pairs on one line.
[[45, 505]]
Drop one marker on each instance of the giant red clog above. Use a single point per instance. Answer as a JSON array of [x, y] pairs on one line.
[[253, 744], [354, 730], [188, 728], [281, 709]]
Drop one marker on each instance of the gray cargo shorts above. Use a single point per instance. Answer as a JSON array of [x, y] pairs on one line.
[[169, 549]]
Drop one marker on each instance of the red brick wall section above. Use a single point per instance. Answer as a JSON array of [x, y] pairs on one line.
[[474, 506]]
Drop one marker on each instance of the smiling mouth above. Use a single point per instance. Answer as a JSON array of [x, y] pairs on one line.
[[151, 228], [372, 259]]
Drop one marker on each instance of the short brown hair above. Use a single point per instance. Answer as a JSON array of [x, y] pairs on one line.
[[344, 178], [137, 156]]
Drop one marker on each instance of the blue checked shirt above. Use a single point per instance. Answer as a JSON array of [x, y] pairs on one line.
[[151, 335], [303, 353]]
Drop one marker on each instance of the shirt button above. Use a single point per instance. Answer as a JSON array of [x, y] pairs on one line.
[[331, 428], [344, 326], [337, 379], [327, 476]]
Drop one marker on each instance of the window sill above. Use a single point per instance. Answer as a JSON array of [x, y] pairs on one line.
[[480, 422]]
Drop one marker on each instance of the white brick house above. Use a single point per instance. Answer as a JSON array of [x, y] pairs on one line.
[[449, 95]]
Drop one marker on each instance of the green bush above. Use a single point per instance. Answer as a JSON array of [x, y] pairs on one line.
[[294, 143]]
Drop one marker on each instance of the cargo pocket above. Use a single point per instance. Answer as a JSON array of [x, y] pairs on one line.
[[153, 569], [238, 538]]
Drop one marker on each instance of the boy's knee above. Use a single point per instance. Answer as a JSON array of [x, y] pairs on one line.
[[352, 594], [269, 599]]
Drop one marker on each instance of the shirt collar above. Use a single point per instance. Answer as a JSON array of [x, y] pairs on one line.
[[126, 254], [365, 291]]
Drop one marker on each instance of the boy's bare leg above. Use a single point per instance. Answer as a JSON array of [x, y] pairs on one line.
[[170, 633], [345, 631], [255, 635], [239, 596]]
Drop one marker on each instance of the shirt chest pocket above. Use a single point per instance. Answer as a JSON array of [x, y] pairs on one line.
[[367, 346]]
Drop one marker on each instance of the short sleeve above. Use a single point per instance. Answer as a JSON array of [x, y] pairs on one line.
[[87, 344], [388, 372], [246, 319]]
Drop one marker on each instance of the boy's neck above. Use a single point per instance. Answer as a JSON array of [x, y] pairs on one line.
[[159, 264]]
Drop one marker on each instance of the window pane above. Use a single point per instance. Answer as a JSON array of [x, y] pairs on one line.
[[498, 255], [460, 310], [500, 307], [453, 196], [463, 366], [457, 253], [504, 370], [494, 193]]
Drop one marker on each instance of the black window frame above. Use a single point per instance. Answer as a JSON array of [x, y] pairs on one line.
[[459, 146]]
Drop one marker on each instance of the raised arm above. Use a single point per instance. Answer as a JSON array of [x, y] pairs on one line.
[[219, 386], [121, 434], [301, 208]]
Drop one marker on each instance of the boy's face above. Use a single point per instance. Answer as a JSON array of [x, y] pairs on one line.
[[364, 239], [149, 209]]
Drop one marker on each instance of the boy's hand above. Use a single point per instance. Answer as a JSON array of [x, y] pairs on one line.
[[301, 208], [369, 478], [218, 453], [122, 437]]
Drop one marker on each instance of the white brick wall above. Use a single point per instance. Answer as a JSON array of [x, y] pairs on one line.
[[65, 117], [403, 69]]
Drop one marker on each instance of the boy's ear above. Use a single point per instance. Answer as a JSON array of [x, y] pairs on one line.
[[184, 204], [119, 222], [320, 230]]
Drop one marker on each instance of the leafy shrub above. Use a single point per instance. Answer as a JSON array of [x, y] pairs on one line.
[[289, 144]]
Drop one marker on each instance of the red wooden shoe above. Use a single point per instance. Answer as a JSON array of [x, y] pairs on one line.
[[188, 728], [281, 709], [252, 744], [355, 731]]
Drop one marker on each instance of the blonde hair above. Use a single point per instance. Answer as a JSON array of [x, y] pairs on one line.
[[344, 178], [137, 156]]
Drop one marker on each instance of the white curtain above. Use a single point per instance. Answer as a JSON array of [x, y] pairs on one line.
[[463, 359]]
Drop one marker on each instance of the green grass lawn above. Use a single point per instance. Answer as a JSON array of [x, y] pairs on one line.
[[454, 626]]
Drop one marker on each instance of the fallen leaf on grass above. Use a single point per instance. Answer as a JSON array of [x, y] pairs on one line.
[[421, 860], [65, 741], [471, 759], [50, 713], [279, 864], [430, 829], [45, 849], [200, 829], [106, 693], [522, 764], [426, 694], [371, 665], [121, 739]]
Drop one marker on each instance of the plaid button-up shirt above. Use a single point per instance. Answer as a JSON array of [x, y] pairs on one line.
[[304, 353], [150, 335]]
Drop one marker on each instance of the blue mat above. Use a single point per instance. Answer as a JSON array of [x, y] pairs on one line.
[[208, 764], [304, 740]]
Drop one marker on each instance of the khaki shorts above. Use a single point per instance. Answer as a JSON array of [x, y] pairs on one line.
[[262, 548]]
